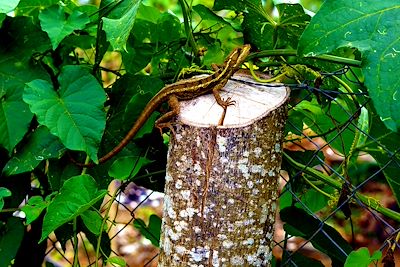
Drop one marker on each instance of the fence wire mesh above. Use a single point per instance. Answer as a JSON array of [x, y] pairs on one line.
[[337, 183]]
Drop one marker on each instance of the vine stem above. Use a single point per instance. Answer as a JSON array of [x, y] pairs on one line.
[[105, 218], [356, 138], [316, 188], [291, 52], [76, 258], [258, 79], [188, 28]]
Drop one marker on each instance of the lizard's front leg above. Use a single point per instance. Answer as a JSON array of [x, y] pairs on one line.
[[224, 103], [164, 120]]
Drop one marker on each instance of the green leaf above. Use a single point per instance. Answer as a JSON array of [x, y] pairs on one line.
[[21, 40], [291, 24], [207, 14], [228, 39], [33, 7], [285, 199], [77, 195], [118, 30], [105, 243], [361, 258], [298, 259], [372, 27], [306, 226], [237, 5], [314, 200], [41, 145], [261, 30], [4, 192], [126, 167], [116, 261], [323, 119], [377, 255], [386, 153], [74, 113], [126, 107], [92, 220], [149, 13], [166, 29], [363, 125], [14, 117], [2, 17], [53, 21], [10, 240], [8, 5], [133, 109], [138, 57], [59, 172], [258, 30], [152, 231], [34, 208]]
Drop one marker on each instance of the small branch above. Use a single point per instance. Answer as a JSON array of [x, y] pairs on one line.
[[188, 28], [105, 218], [291, 52], [76, 257]]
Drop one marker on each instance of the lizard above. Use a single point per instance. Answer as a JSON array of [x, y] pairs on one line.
[[184, 90]]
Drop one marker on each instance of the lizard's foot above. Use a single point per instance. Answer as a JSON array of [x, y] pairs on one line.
[[160, 126], [227, 102]]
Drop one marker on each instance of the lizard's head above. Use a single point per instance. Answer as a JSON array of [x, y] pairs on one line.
[[237, 56]]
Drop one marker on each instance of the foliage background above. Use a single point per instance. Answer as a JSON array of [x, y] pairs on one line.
[[75, 77]]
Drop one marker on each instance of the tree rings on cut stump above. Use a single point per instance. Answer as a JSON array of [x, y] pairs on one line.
[[221, 181]]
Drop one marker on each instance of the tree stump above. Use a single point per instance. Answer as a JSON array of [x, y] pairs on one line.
[[221, 181]]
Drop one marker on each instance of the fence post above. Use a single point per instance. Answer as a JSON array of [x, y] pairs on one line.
[[221, 181]]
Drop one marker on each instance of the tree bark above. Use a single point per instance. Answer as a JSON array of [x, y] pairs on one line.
[[221, 181]]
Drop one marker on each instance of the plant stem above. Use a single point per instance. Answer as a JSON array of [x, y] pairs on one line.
[[76, 258], [291, 52], [316, 188], [258, 79], [105, 218], [188, 28]]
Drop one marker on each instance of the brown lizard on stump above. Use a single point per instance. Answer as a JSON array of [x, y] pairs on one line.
[[184, 90]]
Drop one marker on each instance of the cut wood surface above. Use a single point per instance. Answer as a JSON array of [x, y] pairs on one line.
[[221, 181], [252, 101]]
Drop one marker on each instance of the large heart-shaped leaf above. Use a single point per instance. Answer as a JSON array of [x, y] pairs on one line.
[[372, 27], [53, 21], [76, 196], [75, 113]]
